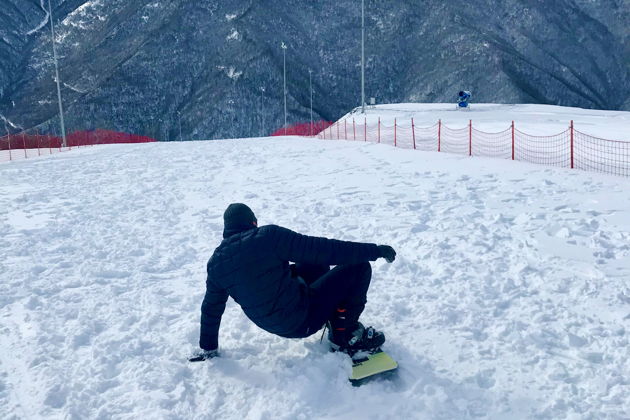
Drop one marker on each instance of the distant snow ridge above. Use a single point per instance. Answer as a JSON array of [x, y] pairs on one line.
[[85, 15]]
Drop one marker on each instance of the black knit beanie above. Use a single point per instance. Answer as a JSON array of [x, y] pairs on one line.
[[238, 215]]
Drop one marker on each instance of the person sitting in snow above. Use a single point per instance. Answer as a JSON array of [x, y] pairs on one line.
[[290, 300]]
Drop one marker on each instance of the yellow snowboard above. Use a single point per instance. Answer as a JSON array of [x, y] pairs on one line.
[[371, 366]]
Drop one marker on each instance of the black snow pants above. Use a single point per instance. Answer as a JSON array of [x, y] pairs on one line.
[[338, 295]]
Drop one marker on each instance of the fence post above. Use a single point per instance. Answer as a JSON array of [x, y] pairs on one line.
[[439, 135], [379, 129], [572, 144], [413, 133], [49, 144], [337, 124], [354, 129], [24, 144], [364, 128], [9, 136], [345, 129], [469, 137], [324, 131], [512, 140], [394, 132], [39, 153]]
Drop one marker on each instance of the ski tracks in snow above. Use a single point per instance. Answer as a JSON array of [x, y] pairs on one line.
[[508, 298]]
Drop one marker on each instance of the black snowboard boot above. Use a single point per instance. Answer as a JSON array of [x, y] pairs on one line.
[[356, 340]]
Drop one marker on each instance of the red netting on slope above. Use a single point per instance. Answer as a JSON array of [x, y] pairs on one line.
[[455, 140], [427, 138], [569, 149], [303, 129], [31, 143], [601, 155], [404, 136], [552, 150], [497, 145]]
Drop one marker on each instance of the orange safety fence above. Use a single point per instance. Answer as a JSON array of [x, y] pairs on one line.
[[568, 149]]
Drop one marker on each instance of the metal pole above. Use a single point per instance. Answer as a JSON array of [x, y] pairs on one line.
[[512, 140], [284, 61], [24, 144], [310, 82], [262, 112], [8, 138], [470, 138], [572, 144], [180, 126], [363, 56], [52, 31], [413, 132]]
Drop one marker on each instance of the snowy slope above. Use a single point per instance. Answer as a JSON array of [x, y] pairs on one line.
[[509, 298], [538, 120]]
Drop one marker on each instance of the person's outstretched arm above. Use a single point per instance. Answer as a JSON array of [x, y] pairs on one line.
[[211, 311], [292, 246]]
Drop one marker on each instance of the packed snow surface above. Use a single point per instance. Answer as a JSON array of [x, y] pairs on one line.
[[509, 298], [533, 119]]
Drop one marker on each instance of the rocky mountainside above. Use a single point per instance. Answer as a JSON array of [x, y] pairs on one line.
[[145, 65]]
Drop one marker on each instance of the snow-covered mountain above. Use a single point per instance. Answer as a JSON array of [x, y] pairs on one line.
[[137, 65]]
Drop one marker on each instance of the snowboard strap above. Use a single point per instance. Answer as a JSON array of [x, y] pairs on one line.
[[321, 339]]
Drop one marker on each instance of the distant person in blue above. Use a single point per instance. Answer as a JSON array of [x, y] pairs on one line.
[[252, 265], [463, 98]]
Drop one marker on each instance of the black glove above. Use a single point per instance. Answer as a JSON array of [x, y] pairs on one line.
[[387, 252], [202, 355]]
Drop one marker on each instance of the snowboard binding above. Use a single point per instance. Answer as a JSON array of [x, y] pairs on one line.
[[363, 346], [361, 339]]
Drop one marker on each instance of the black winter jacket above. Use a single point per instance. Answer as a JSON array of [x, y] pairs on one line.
[[252, 266]]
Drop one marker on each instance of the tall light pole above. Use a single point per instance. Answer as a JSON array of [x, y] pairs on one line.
[[52, 32], [179, 114], [310, 82], [284, 61], [161, 130], [363, 56], [262, 112], [8, 135]]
